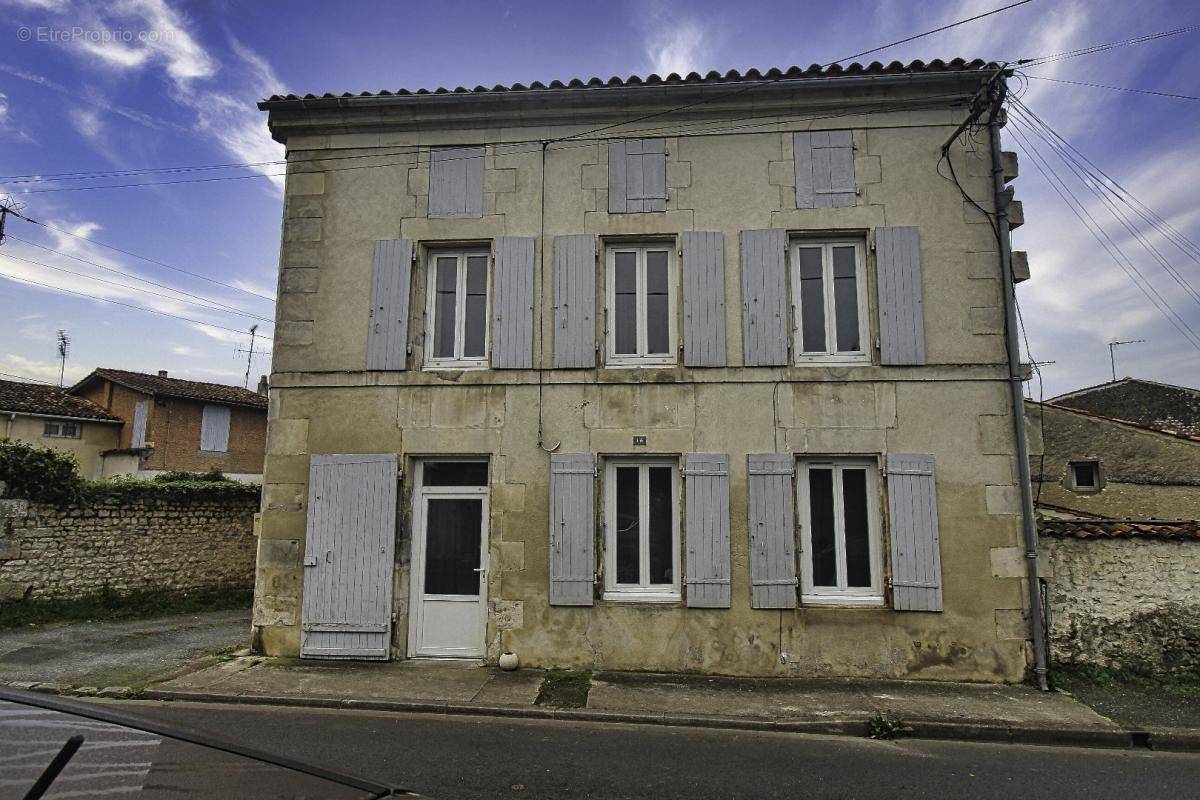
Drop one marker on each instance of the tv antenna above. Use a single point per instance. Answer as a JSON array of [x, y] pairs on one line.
[[1112, 357], [249, 355], [64, 347]]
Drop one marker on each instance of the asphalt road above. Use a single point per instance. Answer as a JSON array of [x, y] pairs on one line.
[[479, 757]]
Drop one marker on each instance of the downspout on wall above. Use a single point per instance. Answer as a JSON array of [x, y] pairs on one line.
[[1016, 381]]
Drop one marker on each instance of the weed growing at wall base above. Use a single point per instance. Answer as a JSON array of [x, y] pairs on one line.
[[110, 605]]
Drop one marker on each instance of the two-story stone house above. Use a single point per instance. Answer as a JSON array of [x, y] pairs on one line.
[[702, 373]]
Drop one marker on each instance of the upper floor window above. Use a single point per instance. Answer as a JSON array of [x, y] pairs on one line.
[[637, 175], [841, 547], [641, 305], [829, 297], [61, 430], [455, 182], [457, 310], [642, 530], [214, 429]]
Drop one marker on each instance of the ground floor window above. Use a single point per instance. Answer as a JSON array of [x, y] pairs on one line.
[[841, 547], [642, 530], [61, 430]]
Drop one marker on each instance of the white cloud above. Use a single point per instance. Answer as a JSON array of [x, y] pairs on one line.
[[87, 122], [184, 350], [3, 108], [46, 371], [677, 48]]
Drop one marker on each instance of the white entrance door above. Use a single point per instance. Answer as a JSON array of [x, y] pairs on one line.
[[449, 565]]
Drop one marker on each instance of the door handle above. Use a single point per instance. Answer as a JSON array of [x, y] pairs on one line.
[[479, 569]]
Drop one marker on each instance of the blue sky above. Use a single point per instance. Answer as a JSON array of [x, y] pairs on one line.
[[177, 83]]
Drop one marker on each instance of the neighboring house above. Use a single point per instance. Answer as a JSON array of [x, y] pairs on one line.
[[174, 424], [723, 392], [1156, 405], [49, 417]]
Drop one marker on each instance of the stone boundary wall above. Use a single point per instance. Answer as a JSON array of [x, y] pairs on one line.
[[47, 552], [1127, 603]]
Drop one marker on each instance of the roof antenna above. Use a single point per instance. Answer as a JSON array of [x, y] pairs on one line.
[[250, 355], [1112, 358], [64, 347]]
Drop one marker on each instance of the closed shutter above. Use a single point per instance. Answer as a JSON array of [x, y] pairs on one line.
[[703, 299], [572, 529], [349, 556], [771, 513], [913, 518], [637, 176], [764, 298], [387, 338], [214, 429], [901, 313], [706, 477], [512, 306], [455, 182], [137, 436], [575, 301], [825, 169]]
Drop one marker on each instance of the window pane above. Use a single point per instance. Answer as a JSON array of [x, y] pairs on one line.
[[625, 313], [661, 524], [628, 529], [812, 301], [445, 286], [452, 539], [858, 537], [824, 538], [845, 300], [454, 473], [476, 312], [658, 309]]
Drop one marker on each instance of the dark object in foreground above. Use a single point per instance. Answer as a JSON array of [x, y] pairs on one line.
[[119, 754]]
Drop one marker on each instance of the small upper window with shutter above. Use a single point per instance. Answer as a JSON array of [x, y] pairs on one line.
[[214, 429], [637, 176], [455, 182], [824, 169]]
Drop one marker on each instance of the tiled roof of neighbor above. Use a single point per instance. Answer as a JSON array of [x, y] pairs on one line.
[[1162, 406], [674, 79], [1119, 528], [35, 398], [1108, 418], [176, 387]]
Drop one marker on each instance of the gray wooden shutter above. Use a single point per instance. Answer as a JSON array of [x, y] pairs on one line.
[[572, 529], [137, 436], [512, 306], [455, 182], [387, 339], [575, 301], [771, 512], [706, 478], [901, 313], [637, 176], [764, 298], [703, 299], [825, 169], [214, 429], [913, 517], [349, 552]]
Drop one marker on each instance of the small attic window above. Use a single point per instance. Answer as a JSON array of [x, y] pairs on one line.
[[1085, 477]]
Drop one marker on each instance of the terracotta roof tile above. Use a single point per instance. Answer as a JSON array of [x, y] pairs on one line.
[[35, 398], [176, 387], [1119, 528]]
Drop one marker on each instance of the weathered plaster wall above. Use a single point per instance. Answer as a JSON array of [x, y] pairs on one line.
[[95, 437], [1124, 603]]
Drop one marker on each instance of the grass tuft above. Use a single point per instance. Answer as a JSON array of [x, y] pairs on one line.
[[112, 605], [565, 688]]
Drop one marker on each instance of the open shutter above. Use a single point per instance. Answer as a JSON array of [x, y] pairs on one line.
[[703, 299], [214, 429], [706, 477], [387, 339], [913, 516], [349, 552], [455, 182], [771, 512], [137, 435], [572, 529], [575, 301], [512, 306], [637, 176], [901, 315], [825, 169], [764, 298]]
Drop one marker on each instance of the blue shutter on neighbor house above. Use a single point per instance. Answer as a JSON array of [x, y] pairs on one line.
[[455, 182], [913, 520], [572, 529], [575, 301], [214, 429], [706, 482], [703, 299], [387, 337], [637, 176], [901, 313], [512, 304], [137, 435], [824, 169], [771, 514], [764, 298]]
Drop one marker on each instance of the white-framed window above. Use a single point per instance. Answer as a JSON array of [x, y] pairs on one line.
[[640, 323], [840, 541], [457, 309], [61, 430], [641, 530], [829, 301]]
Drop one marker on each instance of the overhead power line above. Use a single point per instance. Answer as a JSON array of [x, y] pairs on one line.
[[1099, 48], [1114, 88], [26, 378]]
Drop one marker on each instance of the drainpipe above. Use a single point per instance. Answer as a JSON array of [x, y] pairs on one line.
[[1028, 520]]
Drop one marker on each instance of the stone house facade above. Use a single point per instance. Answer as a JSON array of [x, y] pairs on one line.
[[46, 416], [722, 391]]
